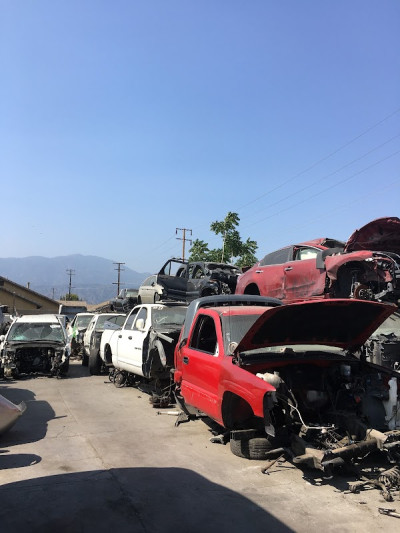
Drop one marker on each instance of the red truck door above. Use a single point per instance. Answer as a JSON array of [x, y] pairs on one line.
[[201, 367]]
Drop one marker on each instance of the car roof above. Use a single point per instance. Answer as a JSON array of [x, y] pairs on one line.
[[107, 315], [38, 319], [225, 300]]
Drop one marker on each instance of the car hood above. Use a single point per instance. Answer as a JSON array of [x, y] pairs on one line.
[[380, 235], [36, 343], [342, 323]]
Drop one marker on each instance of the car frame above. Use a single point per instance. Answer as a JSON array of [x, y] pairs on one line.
[[182, 280], [143, 349], [366, 267], [92, 338], [76, 330], [35, 344], [290, 379], [125, 301]]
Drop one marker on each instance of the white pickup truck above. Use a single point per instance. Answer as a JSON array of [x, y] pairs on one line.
[[144, 346]]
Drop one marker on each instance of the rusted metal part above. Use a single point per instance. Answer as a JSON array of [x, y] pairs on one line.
[[355, 486], [322, 459], [391, 478], [265, 469], [387, 481], [389, 512]]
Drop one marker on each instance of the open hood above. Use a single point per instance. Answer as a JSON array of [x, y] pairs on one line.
[[380, 235], [343, 323]]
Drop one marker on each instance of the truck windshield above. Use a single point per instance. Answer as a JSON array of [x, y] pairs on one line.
[[234, 328], [36, 332], [168, 316], [83, 321]]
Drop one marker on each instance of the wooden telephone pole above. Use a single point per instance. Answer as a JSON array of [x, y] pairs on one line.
[[118, 282], [184, 239], [70, 273]]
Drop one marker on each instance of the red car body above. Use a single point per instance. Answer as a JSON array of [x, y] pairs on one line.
[[257, 368], [366, 267]]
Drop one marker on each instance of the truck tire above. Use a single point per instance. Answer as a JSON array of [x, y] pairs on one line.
[[85, 358], [95, 363], [64, 367], [254, 448]]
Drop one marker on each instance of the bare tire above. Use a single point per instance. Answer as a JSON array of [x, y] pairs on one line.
[[255, 448], [95, 363]]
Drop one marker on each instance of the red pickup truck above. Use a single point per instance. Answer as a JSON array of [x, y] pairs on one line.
[[289, 376]]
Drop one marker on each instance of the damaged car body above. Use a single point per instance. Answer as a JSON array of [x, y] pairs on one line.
[[143, 349], [293, 382], [35, 344], [383, 347], [366, 267], [185, 281]]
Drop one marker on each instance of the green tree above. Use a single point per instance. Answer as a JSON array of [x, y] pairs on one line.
[[70, 297], [233, 249], [199, 251]]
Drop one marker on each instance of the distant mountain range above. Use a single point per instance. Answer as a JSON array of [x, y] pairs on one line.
[[94, 279]]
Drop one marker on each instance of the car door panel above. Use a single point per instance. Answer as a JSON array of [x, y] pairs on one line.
[[270, 280], [303, 280], [201, 367], [199, 381], [176, 287]]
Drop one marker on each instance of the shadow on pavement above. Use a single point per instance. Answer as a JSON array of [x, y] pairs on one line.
[[32, 425], [77, 370], [17, 460], [148, 500]]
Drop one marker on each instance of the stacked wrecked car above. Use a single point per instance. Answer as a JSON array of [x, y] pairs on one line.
[[366, 267]]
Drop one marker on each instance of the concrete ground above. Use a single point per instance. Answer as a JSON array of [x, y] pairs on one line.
[[87, 456]]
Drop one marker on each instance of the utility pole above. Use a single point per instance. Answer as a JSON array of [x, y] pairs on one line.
[[184, 239], [117, 283], [70, 273]]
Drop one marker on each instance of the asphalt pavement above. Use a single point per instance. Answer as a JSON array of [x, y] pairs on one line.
[[87, 456]]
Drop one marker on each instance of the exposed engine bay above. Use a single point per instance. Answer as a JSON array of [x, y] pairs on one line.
[[331, 411], [24, 359], [225, 276], [383, 347], [376, 278]]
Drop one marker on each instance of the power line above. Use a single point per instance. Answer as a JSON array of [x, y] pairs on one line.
[[289, 180], [329, 175], [327, 188], [349, 204]]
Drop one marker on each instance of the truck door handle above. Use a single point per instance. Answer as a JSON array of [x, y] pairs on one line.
[[259, 271], [130, 338], [288, 268], [186, 360]]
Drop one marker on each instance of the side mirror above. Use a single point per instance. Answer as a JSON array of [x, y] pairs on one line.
[[2, 337]]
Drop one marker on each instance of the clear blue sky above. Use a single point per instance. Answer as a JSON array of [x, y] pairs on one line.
[[122, 120]]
